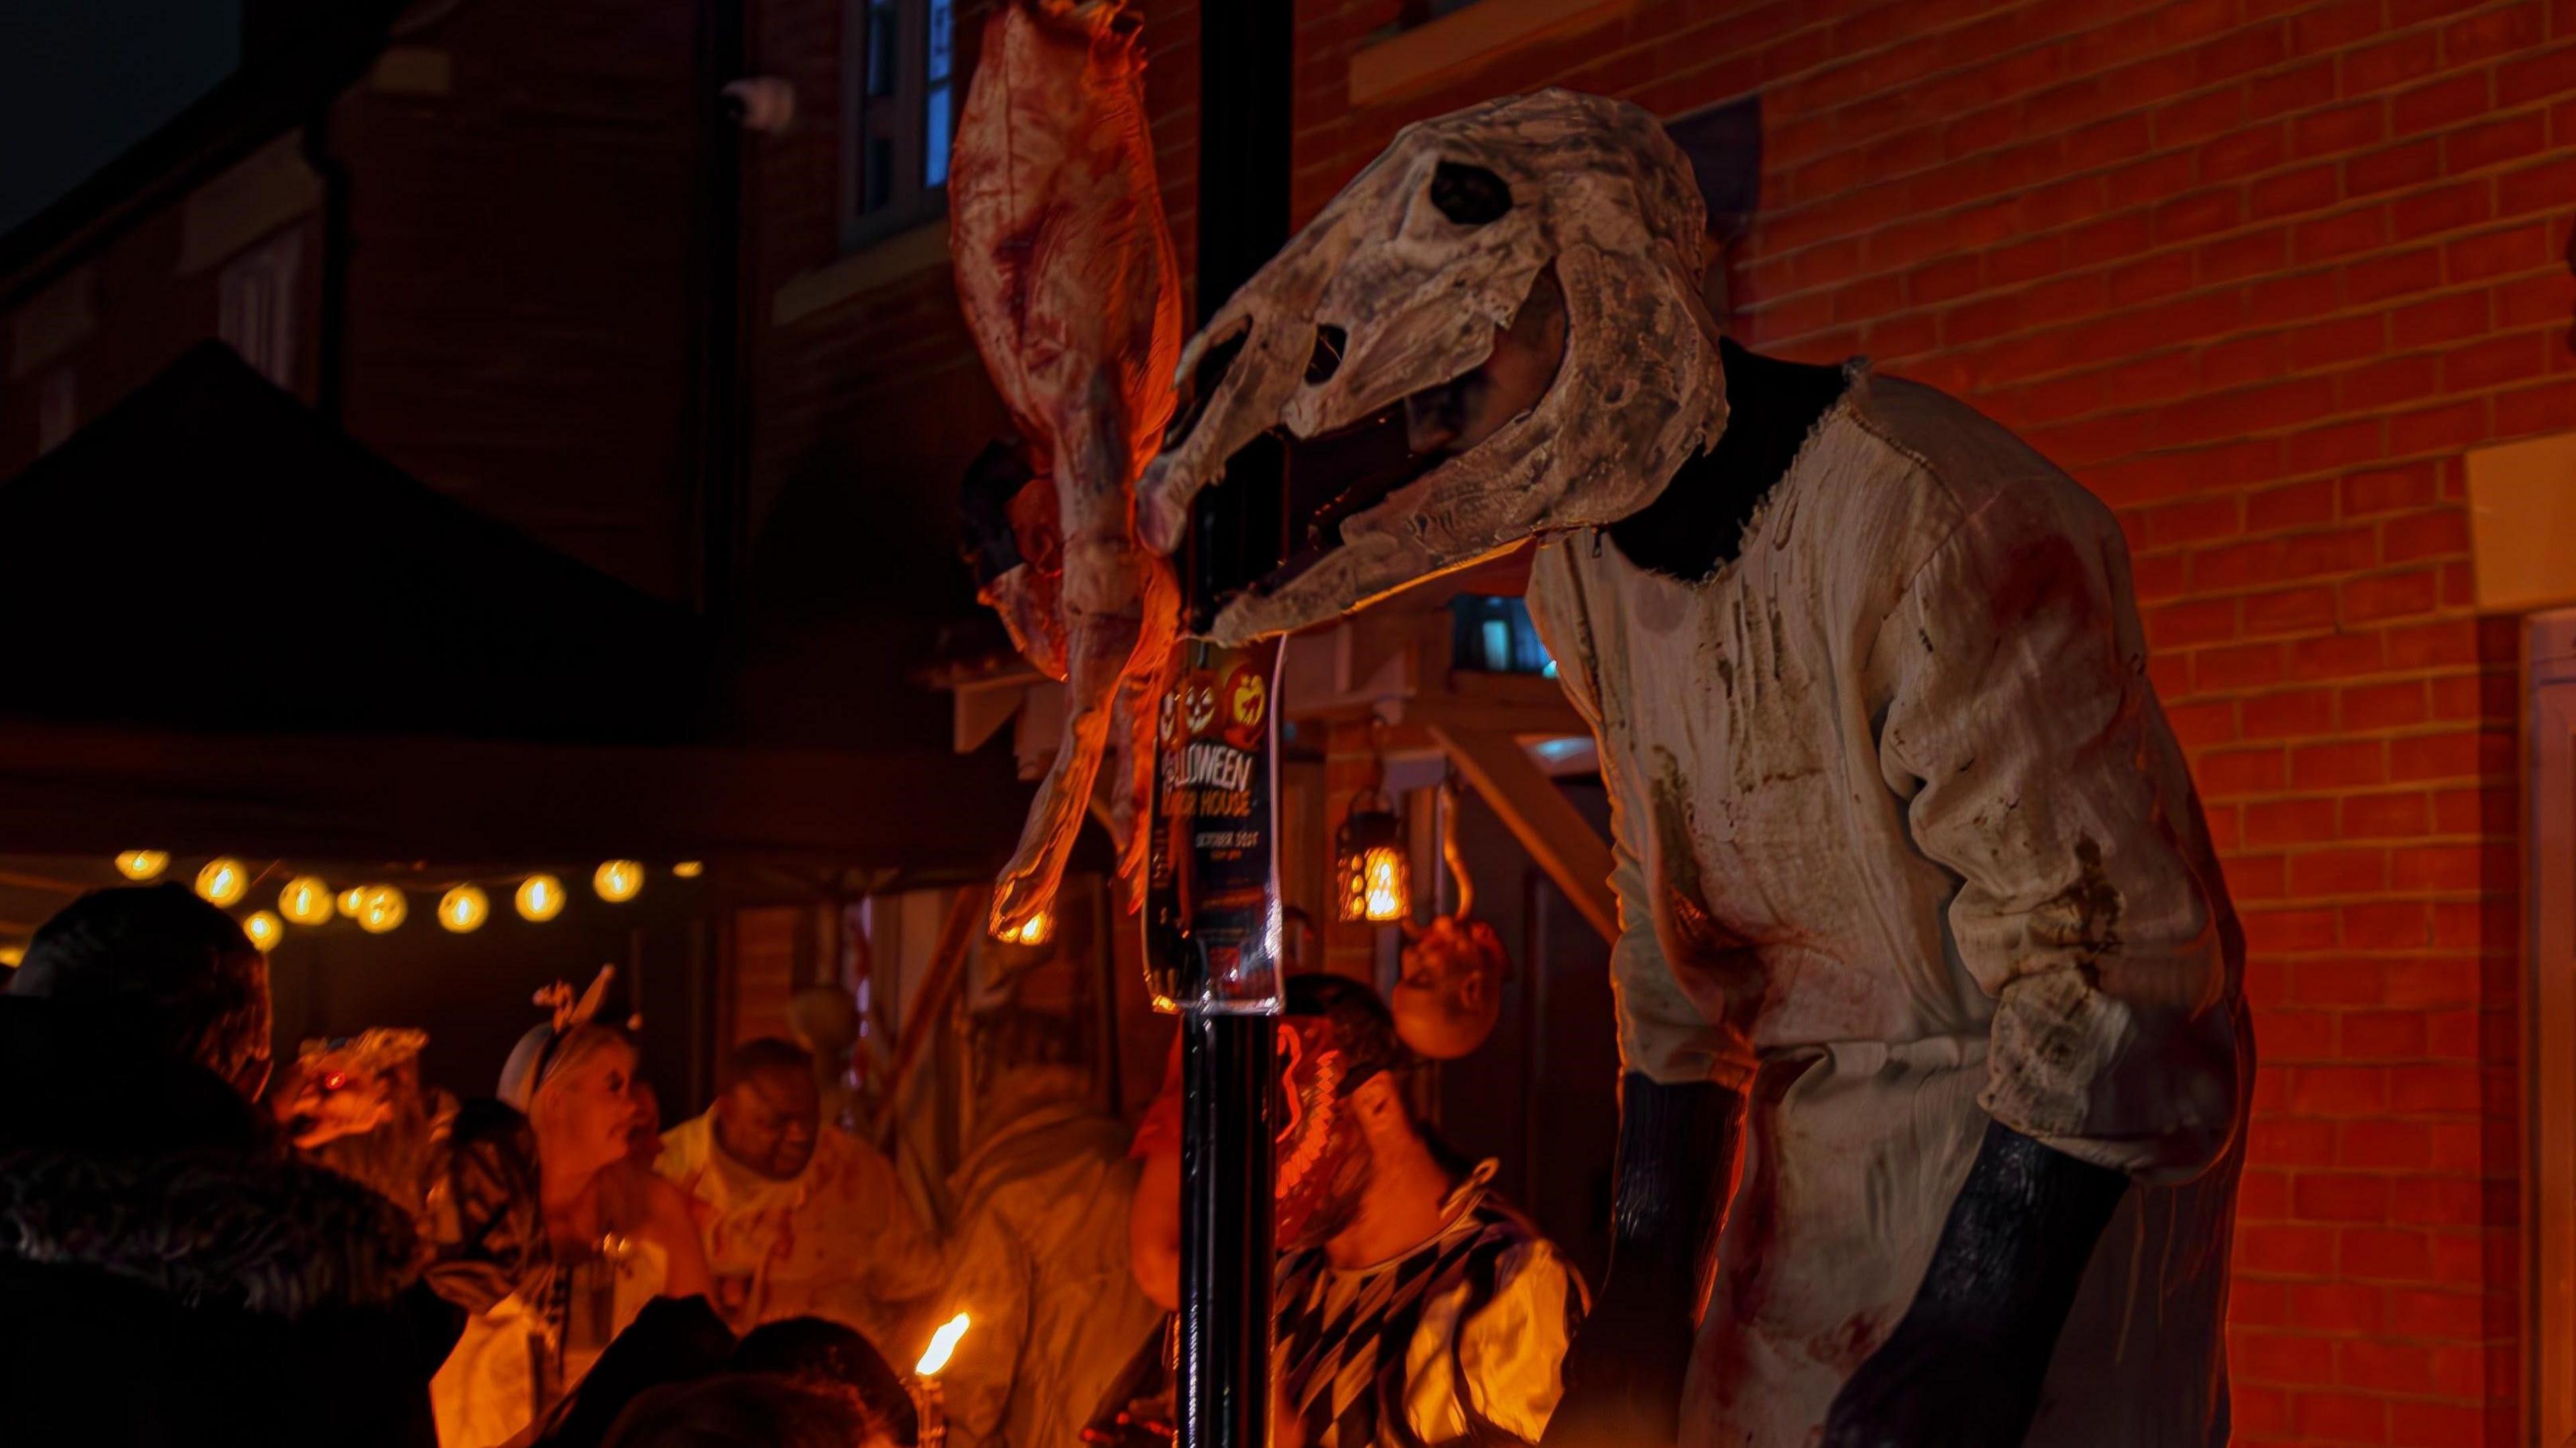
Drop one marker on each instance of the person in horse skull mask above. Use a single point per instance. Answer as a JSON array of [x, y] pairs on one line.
[[1929, 986]]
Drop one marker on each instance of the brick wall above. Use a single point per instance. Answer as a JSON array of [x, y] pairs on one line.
[[2258, 273]]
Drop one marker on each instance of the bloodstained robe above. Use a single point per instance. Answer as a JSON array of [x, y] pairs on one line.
[[1902, 842]]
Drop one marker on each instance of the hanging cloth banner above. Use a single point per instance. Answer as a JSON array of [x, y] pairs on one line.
[[1211, 886]]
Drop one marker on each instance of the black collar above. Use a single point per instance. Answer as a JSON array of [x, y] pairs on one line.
[[1696, 524]]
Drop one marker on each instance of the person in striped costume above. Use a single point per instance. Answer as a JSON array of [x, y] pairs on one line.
[[1414, 1305]]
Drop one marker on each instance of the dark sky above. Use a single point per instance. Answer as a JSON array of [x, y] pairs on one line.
[[81, 80]]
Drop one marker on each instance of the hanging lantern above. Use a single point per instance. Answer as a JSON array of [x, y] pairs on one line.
[[305, 900], [464, 908], [618, 880], [353, 900], [264, 929], [223, 882], [1372, 876], [142, 864], [689, 869], [381, 908], [541, 898]]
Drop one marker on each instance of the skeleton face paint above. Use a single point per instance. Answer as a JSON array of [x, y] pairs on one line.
[[1404, 287], [1323, 1160]]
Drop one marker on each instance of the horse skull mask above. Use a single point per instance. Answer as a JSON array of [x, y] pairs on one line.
[[1401, 286]]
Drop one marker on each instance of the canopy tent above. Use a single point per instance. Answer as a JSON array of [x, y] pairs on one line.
[[239, 629]]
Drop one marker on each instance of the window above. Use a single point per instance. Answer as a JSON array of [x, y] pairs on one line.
[[1492, 634], [899, 117], [255, 306]]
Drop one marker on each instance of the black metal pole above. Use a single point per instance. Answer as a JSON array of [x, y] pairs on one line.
[[1247, 58]]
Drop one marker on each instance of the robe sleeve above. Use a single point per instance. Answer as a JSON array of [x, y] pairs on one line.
[[2037, 769], [904, 1263], [1663, 1034]]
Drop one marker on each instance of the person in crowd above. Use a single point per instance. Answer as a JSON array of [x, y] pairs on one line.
[[170, 1274], [1040, 1259], [356, 1105], [610, 1237], [1412, 1304], [748, 1410], [798, 1218], [818, 1352]]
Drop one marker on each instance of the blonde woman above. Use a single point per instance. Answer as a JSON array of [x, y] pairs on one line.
[[615, 1236]]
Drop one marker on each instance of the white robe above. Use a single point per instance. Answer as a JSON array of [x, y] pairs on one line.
[[1902, 841]]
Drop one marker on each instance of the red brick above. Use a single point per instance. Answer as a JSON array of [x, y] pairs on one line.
[[2388, 1367], [2531, 77], [2335, 445], [2382, 385], [2409, 164], [2338, 872], [2335, 656], [2290, 822], [2334, 26], [2337, 1198], [2382, 1036], [2378, 277], [2292, 610], [2433, 1088], [2337, 984], [2340, 1417], [2433, 645], [2511, 358], [2443, 103], [2438, 429], [2452, 868], [2508, 31], [2290, 506], [2399, 925], [2475, 257], [2433, 1425], [2478, 811], [2485, 145], [2434, 756], [2294, 713], [2545, 187], [2379, 816], [2443, 208], [2291, 192], [2232, 773], [2443, 319], [2547, 408]]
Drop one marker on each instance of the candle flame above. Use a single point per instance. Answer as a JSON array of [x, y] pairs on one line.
[[943, 1343]]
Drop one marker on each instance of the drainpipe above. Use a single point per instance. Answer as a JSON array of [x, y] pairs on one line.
[[331, 324]]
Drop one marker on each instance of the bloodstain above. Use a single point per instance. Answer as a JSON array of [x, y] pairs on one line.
[[2044, 573]]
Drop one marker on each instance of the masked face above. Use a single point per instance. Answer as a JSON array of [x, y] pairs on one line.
[[1322, 1165], [1399, 302]]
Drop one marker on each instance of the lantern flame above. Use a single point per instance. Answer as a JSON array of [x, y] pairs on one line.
[[1384, 870], [943, 1344]]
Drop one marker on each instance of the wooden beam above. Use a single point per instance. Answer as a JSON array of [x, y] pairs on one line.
[[1547, 824]]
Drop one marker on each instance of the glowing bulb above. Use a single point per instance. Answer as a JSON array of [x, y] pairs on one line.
[[353, 900], [381, 908], [541, 898], [688, 869], [223, 882], [464, 908], [264, 929], [305, 900], [618, 880], [943, 1344], [142, 864], [1038, 930], [1384, 867], [11, 955]]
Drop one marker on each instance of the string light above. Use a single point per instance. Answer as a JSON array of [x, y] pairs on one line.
[[353, 900], [381, 908], [689, 869], [142, 864], [305, 901], [12, 955], [541, 898], [464, 908], [264, 929], [618, 881], [223, 882]]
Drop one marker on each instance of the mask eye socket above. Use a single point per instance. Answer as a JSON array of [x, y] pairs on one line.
[[1214, 363], [1469, 195], [1330, 343]]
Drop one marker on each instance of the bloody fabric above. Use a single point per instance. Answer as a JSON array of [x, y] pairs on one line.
[[1901, 844]]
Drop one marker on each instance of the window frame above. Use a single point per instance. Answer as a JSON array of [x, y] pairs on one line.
[[897, 120]]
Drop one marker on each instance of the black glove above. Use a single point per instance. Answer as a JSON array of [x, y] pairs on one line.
[[1965, 1365], [1623, 1375]]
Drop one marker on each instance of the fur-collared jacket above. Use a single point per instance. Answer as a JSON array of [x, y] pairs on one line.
[[170, 1275]]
